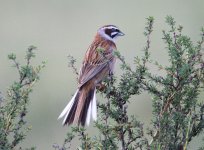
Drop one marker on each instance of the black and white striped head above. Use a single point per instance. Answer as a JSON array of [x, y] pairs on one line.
[[110, 32]]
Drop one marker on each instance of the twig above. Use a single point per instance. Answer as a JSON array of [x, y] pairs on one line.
[[71, 64], [169, 100]]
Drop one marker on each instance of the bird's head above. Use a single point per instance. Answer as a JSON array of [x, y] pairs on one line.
[[110, 32]]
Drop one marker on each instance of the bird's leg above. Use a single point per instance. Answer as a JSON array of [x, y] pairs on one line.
[[101, 87], [111, 77]]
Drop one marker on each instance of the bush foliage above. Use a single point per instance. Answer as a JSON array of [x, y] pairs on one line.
[[13, 106], [178, 116]]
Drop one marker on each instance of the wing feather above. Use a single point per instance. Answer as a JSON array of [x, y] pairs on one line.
[[96, 59]]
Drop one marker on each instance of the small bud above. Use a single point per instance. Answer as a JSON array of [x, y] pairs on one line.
[[12, 56]]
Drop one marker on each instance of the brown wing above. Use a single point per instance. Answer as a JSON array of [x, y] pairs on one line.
[[98, 56]]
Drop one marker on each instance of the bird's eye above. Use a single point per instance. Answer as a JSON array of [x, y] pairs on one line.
[[117, 30]]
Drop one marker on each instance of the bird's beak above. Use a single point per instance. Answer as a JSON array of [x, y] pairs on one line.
[[121, 33]]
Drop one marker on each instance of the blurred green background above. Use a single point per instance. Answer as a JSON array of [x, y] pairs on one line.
[[62, 27]]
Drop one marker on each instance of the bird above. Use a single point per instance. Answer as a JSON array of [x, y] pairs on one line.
[[98, 63]]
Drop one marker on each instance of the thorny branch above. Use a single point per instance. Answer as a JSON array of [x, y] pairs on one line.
[[14, 106]]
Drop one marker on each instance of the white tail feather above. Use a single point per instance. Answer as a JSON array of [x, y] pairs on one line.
[[88, 116], [68, 108], [92, 110], [91, 113], [94, 107]]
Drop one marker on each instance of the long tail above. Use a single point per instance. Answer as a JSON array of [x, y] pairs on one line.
[[81, 109]]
